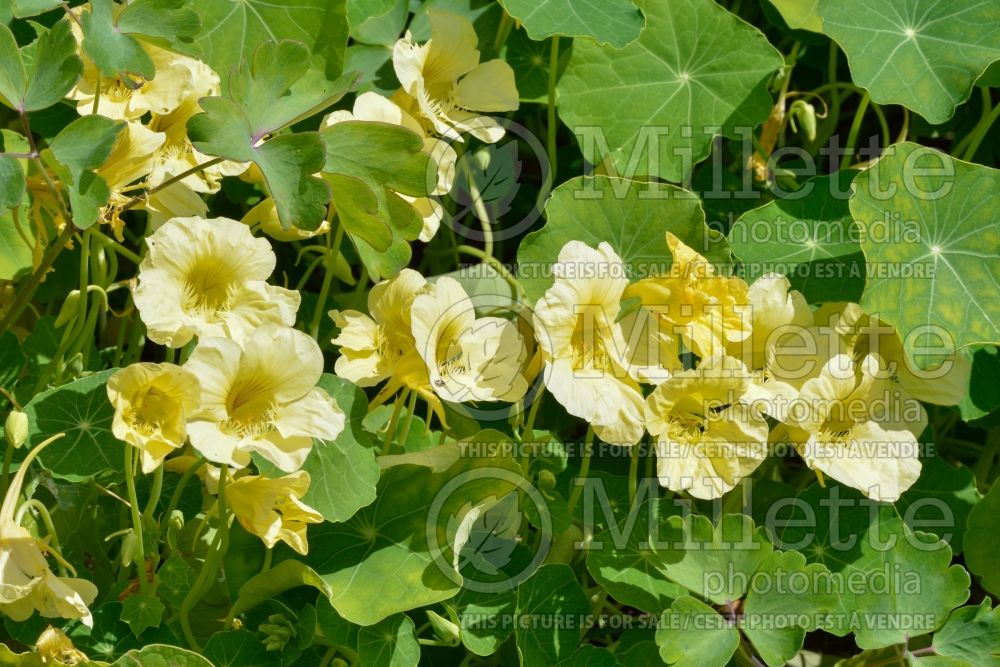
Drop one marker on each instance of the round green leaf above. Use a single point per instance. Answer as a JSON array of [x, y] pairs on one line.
[[811, 238], [982, 549], [695, 72], [82, 411], [692, 634], [924, 213], [924, 54], [551, 593]]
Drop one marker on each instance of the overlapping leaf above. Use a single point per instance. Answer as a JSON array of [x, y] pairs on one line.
[[696, 71], [928, 229], [41, 74], [235, 124], [923, 54], [234, 30], [612, 22], [109, 37], [368, 165]]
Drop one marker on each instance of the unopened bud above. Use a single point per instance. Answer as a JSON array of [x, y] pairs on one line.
[[130, 544], [70, 308], [16, 428], [546, 480], [805, 114], [446, 630]]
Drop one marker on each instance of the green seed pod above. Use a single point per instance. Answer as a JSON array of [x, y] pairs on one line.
[[16, 428], [546, 480]]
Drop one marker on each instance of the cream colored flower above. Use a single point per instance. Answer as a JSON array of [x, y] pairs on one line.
[[862, 334], [706, 311], [448, 85], [372, 107], [468, 358], [707, 437], [261, 397], [781, 324], [272, 510], [177, 155], [583, 346], [852, 426], [54, 646], [382, 347], [152, 404], [207, 278], [27, 584]]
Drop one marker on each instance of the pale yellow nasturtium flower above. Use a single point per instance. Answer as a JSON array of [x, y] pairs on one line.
[[707, 437], [55, 647], [372, 107], [272, 509], [178, 155], [261, 397], [849, 424], [862, 334], [27, 584], [706, 311], [780, 317], [584, 351], [447, 85], [152, 405], [207, 278], [381, 346], [468, 358]]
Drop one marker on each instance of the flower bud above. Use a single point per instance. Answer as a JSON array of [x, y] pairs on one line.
[[546, 480], [130, 545], [70, 308], [805, 114], [446, 630], [16, 428], [277, 632]]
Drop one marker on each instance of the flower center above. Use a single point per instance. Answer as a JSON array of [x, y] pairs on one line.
[[209, 286]]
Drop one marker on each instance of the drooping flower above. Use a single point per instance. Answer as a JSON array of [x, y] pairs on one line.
[[583, 347], [706, 311], [850, 425], [707, 437], [272, 509], [372, 107], [381, 346], [27, 584], [468, 358], [446, 83], [152, 404], [207, 278], [261, 397]]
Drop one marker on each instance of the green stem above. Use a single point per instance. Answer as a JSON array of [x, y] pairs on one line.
[[980, 132], [136, 518], [97, 95], [109, 242], [411, 409], [154, 494], [859, 117], [497, 266], [529, 428], [324, 293], [28, 290], [268, 556], [552, 128], [175, 498], [138, 199], [503, 31], [209, 568], [8, 458], [588, 449], [390, 428], [633, 474]]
